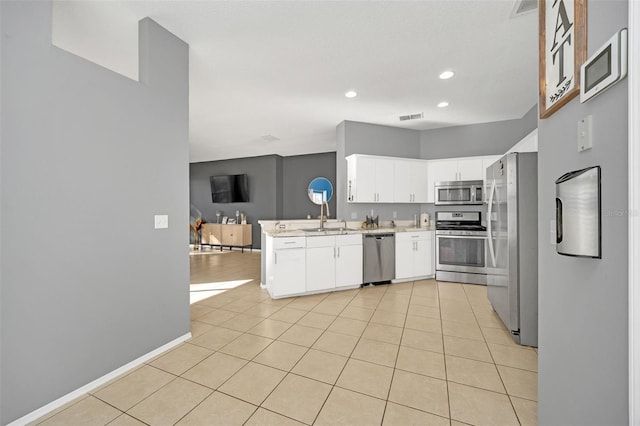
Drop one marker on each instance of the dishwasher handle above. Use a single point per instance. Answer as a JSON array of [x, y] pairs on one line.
[[379, 236]]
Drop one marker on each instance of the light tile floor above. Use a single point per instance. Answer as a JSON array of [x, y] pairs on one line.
[[416, 353]]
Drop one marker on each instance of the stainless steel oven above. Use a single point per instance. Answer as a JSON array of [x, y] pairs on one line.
[[462, 192], [461, 247]]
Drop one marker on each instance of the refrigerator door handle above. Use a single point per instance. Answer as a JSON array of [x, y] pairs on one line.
[[489, 227]]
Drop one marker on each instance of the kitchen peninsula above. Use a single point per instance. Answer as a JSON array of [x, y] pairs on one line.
[[299, 257]]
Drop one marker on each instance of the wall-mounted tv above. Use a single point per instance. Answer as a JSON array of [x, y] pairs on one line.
[[229, 188]]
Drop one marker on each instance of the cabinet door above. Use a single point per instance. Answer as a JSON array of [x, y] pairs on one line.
[[349, 265], [437, 171], [424, 258], [247, 234], [419, 181], [211, 233], [365, 180], [404, 258], [321, 269], [470, 169], [384, 180], [289, 272], [402, 189], [233, 235]]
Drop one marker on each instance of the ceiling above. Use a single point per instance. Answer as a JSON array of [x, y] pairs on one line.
[[269, 77]]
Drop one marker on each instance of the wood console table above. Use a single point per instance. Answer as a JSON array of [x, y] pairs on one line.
[[234, 235]]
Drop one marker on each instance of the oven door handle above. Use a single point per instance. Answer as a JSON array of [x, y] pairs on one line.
[[489, 220], [467, 237]]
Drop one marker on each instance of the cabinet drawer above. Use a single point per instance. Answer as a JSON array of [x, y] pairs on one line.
[[349, 240], [288, 242], [321, 241], [413, 236]]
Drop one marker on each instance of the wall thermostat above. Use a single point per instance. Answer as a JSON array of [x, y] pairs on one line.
[[605, 67]]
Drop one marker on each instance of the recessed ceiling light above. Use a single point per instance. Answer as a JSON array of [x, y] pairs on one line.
[[446, 74], [443, 104], [351, 94]]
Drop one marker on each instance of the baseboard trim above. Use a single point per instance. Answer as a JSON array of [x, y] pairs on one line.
[[36, 414]]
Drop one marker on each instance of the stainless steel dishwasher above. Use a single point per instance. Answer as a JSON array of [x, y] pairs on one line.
[[379, 255]]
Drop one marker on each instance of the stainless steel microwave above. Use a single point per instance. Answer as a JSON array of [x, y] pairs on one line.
[[460, 192]]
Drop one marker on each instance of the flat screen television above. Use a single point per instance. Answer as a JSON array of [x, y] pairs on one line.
[[229, 188]]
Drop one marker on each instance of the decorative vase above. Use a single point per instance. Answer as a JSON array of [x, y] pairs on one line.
[[196, 240]]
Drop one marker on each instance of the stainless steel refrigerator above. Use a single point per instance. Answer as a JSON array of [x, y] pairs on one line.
[[512, 228]]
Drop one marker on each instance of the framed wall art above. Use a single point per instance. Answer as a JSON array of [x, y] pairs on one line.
[[563, 49]]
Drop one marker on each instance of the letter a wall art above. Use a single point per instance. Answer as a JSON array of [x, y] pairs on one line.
[[563, 49]]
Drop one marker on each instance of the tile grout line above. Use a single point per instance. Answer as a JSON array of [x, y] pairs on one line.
[[444, 352], [334, 385], [494, 363]]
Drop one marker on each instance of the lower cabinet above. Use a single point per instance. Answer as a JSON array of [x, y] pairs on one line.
[[286, 268], [333, 262], [321, 263], [414, 254], [348, 260], [299, 265]]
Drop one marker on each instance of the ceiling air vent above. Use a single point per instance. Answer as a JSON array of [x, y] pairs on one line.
[[524, 6], [411, 116]]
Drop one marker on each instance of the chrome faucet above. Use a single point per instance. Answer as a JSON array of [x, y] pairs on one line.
[[324, 218]]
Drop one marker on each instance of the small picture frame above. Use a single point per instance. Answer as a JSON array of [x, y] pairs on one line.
[[231, 221], [225, 219]]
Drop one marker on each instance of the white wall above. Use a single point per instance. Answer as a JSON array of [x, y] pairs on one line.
[[87, 158]]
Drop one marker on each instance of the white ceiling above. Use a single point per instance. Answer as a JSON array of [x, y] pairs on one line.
[[282, 68]]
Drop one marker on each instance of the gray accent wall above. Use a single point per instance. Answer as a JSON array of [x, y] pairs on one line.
[[265, 201], [88, 157], [298, 172], [477, 139], [353, 137], [277, 187], [583, 303]]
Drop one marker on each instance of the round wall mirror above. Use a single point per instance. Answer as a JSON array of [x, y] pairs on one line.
[[320, 190]]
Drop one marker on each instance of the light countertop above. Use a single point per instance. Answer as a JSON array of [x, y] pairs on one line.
[[310, 228]]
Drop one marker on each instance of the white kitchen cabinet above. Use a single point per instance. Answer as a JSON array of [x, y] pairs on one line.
[[348, 260], [414, 254], [321, 260], [286, 268], [369, 179], [470, 169], [333, 261], [410, 180]]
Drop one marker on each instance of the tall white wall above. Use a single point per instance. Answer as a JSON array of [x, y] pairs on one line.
[[88, 157]]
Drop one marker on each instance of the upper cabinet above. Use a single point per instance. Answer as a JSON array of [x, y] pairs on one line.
[[369, 179], [376, 179], [410, 180]]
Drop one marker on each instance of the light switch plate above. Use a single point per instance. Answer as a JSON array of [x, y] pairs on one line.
[[354, 215], [395, 215], [161, 221], [585, 138], [552, 232]]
